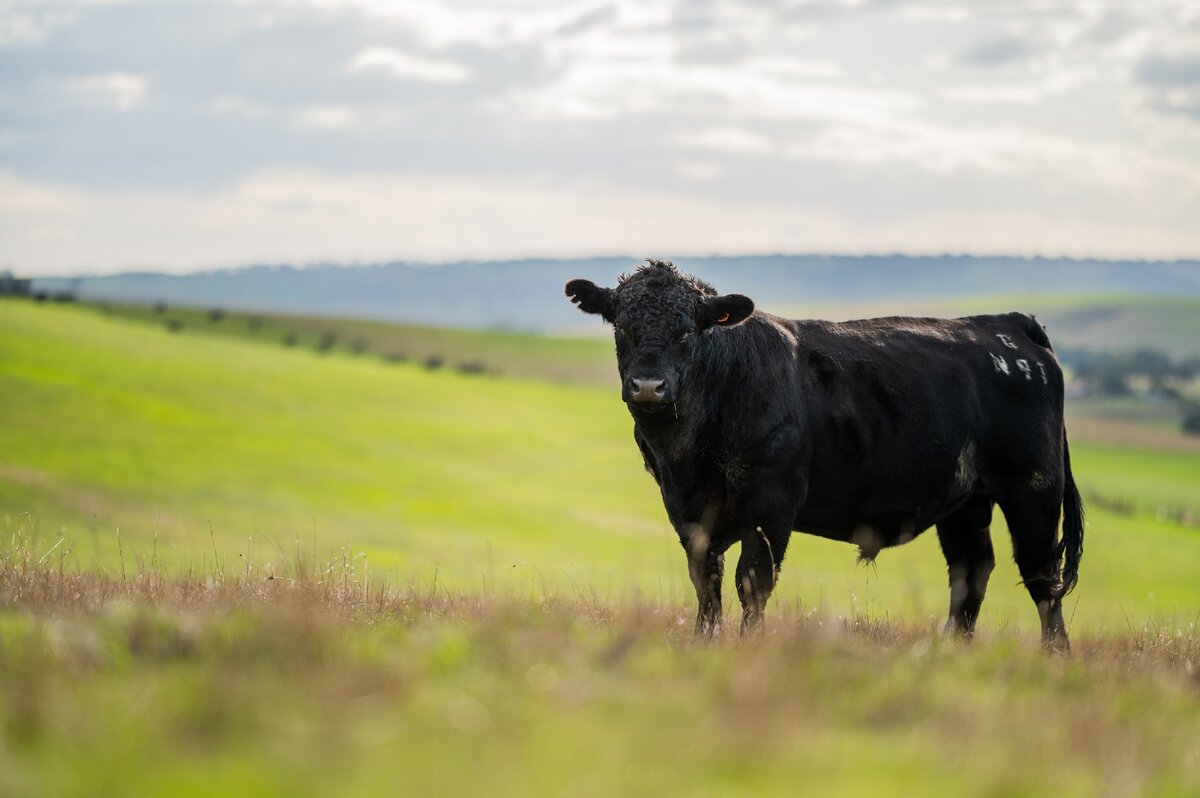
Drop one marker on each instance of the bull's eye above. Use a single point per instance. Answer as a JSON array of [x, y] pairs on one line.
[[682, 337]]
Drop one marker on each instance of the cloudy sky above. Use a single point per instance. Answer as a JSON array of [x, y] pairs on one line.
[[184, 135]]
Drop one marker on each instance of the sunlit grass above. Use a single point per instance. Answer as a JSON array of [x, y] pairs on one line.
[[309, 678]]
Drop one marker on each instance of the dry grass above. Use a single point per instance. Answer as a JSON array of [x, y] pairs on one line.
[[42, 583], [323, 679]]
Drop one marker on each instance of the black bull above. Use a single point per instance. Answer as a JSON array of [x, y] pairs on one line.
[[866, 431]]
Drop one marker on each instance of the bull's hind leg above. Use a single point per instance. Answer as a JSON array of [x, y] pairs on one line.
[[758, 571], [967, 543], [1032, 512]]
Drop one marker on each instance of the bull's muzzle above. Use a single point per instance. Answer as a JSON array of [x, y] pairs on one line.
[[646, 390]]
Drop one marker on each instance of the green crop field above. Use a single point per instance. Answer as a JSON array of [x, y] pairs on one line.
[[242, 567]]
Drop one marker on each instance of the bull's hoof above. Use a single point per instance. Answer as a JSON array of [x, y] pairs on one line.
[[1056, 644]]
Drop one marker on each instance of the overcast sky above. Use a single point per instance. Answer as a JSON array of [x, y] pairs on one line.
[[182, 135]]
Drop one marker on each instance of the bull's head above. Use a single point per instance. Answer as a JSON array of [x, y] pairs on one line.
[[659, 318]]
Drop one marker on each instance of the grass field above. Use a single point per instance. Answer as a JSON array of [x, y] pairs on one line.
[[325, 685], [519, 536]]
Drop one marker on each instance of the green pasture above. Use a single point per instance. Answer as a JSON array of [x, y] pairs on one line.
[[233, 567], [207, 452], [586, 360]]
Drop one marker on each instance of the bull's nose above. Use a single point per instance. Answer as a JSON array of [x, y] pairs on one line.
[[647, 390]]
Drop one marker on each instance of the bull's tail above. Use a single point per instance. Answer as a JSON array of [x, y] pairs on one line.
[[1070, 548]]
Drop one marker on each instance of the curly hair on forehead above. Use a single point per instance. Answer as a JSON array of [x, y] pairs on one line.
[[660, 274]]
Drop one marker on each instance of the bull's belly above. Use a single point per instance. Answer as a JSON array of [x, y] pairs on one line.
[[872, 529]]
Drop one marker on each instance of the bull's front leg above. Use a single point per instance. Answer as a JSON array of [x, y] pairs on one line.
[[706, 567], [758, 571]]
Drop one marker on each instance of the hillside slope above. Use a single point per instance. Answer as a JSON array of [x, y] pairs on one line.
[[219, 447]]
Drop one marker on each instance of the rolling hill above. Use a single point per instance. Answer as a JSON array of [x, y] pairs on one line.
[[527, 295], [217, 447]]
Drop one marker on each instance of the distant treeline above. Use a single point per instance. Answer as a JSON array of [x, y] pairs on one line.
[[11, 285], [1146, 373], [1140, 371], [322, 342]]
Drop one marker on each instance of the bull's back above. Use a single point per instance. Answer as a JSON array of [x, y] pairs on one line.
[[908, 410]]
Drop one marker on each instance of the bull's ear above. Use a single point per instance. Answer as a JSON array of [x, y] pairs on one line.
[[728, 310], [591, 298]]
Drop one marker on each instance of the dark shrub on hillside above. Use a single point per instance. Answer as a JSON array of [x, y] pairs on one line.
[[215, 315], [1191, 421], [290, 338], [358, 346], [433, 362], [174, 325], [327, 341], [160, 307], [472, 367]]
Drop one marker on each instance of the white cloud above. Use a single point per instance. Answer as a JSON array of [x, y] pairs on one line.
[[25, 24], [119, 90], [325, 117], [727, 139], [858, 118], [407, 66], [234, 104], [699, 171], [1006, 151], [305, 216], [653, 81]]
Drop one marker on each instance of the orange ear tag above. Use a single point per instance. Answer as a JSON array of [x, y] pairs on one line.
[[724, 318]]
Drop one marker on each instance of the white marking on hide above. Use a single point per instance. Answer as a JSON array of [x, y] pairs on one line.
[[964, 471], [1006, 340], [999, 363], [1023, 365], [1042, 368]]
